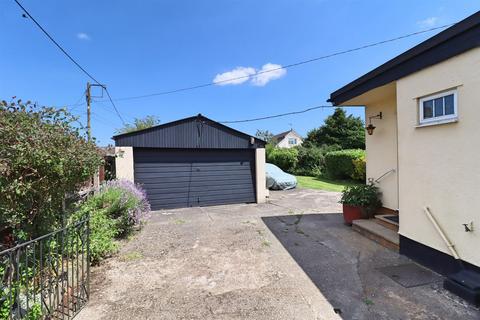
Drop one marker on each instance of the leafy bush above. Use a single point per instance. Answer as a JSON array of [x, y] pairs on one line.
[[114, 211], [285, 159], [311, 159], [365, 196], [43, 156], [359, 169], [340, 164]]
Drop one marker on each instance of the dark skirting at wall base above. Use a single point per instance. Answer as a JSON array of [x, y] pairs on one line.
[[431, 258]]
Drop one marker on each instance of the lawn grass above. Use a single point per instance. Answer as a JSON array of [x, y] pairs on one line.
[[321, 183]]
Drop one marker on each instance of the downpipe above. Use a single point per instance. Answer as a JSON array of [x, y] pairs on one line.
[[442, 234]]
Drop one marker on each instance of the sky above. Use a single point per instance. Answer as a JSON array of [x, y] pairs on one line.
[[143, 47]]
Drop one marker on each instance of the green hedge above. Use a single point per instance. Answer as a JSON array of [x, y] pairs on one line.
[[285, 159], [346, 164]]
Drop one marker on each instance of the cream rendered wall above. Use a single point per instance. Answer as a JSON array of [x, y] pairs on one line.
[[260, 176], [124, 163], [440, 164], [381, 149], [284, 142]]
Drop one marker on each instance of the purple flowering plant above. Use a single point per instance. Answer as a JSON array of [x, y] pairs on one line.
[[126, 202]]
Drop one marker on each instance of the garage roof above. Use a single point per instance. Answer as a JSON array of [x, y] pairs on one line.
[[193, 132], [457, 39]]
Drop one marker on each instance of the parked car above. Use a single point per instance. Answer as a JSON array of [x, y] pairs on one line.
[[277, 179]]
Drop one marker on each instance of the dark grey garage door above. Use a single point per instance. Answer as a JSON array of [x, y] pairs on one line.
[[185, 178]]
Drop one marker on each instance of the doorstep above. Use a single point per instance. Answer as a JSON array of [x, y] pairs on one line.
[[377, 232]]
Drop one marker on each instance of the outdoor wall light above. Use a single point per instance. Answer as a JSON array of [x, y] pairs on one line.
[[370, 126]]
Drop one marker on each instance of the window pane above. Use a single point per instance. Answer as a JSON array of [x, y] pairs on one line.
[[439, 107], [449, 109], [428, 109]]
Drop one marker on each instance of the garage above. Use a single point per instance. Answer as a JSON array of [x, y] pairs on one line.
[[193, 162]]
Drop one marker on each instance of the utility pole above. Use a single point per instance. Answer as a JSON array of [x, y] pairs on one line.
[[89, 98]]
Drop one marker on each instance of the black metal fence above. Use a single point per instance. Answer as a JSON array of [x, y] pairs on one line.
[[48, 277]]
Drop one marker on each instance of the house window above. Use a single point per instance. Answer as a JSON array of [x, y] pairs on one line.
[[438, 107], [292, 140]]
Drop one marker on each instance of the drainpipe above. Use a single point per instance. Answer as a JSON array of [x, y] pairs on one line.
[[442, 234]]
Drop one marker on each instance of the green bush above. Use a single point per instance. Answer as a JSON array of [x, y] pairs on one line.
[[285, 159], [359, 169], [114, 211], [43, 156], [340, 164], [365, 196], [310, 161]]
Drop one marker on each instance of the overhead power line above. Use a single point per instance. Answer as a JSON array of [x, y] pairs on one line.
[[281, 114], [55, 42], [69, 57], [295, 64], [114, 106]]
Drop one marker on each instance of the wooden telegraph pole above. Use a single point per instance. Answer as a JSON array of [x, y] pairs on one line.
[[89, 98]]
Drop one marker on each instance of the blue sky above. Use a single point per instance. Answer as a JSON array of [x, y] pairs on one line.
[[142, 47]]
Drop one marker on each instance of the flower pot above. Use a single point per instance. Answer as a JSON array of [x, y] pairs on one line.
[[351, 213]]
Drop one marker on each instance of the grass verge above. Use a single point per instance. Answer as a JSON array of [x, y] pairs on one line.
[[321, 183]]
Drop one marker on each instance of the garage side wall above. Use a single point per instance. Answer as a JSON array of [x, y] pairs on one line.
[[124, 163], [260, 177]]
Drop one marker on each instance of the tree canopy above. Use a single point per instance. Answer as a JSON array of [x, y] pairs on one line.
[[346, 132], [139, 124], [265, 135]]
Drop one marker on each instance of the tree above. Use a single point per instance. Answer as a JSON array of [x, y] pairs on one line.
[[341, 130], [139, 124], [265, 135], [43, 157]]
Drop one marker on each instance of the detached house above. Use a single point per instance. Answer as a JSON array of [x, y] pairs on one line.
[[422, 109], [287, 139]]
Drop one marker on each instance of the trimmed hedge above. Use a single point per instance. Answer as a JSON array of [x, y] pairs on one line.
[[285, 159], [346, 164]]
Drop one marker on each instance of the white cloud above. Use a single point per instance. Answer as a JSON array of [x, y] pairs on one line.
[[269, 72], [83, 36], [428, 22], [239, 75]]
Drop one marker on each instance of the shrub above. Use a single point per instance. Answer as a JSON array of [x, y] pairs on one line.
[[365, 196], [359, 169], [340, 164], [285, 159], [43, 156], [311, 161], [114, 211], [127, 202]]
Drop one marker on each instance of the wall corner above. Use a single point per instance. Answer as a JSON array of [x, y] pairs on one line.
[[260, 177], [124, 163]]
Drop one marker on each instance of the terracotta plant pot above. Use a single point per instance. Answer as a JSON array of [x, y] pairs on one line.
[[351, 213]]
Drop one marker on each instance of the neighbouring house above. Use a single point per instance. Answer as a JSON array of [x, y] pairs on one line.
[[423, 151], [193, 162], [287, 139]]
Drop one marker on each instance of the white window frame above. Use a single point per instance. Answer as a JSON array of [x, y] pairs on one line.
[[422, 120], [294, 141]]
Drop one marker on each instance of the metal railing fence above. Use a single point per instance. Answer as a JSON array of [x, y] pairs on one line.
[[48, 277]]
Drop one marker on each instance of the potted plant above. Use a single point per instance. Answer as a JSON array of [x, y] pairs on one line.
[[360, 202]]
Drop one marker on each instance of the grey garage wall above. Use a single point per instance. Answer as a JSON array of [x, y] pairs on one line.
[[194, 132], [176, 178]]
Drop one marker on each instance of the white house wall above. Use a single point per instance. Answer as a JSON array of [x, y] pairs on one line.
[[440, 164], [284, 142]]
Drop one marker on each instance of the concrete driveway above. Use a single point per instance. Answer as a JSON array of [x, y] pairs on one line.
[[290, 259]]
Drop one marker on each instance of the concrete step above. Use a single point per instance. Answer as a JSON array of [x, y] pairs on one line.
[[381, 219], [378, 233]]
